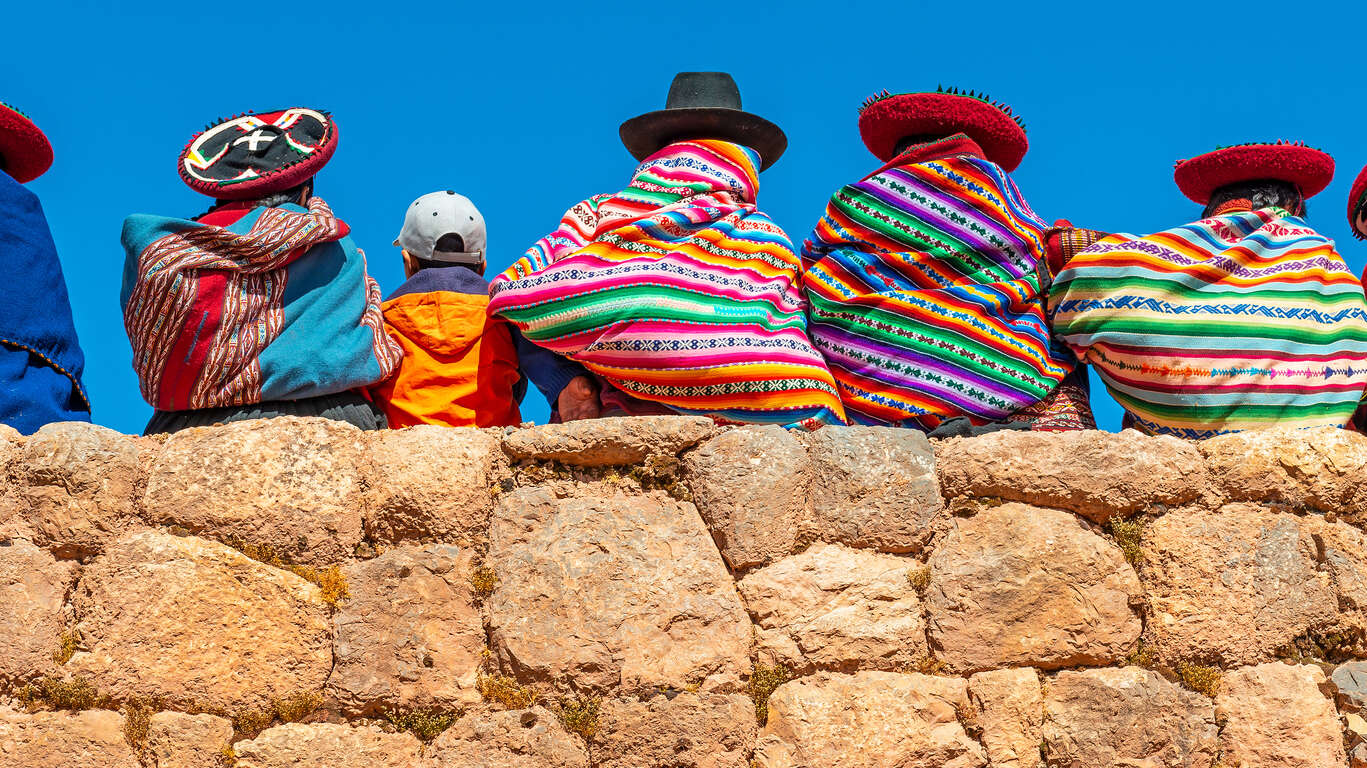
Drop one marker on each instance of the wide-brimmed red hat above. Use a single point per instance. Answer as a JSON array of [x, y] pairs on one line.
[[886, 119], [25, 153], [1357, 201], [1292, 162], [254, 154]]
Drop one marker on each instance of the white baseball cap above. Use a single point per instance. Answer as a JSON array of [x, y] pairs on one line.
[[436, 214]]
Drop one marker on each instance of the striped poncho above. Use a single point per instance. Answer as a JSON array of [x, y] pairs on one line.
[[925, 295], [1239, 321], [678, 291]]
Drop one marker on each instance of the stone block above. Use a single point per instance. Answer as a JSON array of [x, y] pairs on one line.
[[1350, 686], [328, 744], [1277, 715], [689, 730], [64, 740], [1010, 707], [1024, 586], [1302, 469], [609, 442], [431, 483], [526, 738], [33, 614], [836, 608], [178, 740]]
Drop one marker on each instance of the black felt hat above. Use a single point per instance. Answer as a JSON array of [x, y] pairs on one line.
[[703, 105]]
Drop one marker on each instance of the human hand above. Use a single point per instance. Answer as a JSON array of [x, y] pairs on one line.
[[578, 400]]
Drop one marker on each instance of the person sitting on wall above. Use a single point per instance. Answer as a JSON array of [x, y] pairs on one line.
[[1246, 318], [1357, 221], [924, 277], [461, 365], [40, 357], [676, 292], [261, 306]]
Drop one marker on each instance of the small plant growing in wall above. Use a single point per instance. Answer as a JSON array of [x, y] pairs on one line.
[[1129, 534], [764, 680], [579, 715]]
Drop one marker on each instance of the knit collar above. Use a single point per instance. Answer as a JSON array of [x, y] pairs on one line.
[[957, 145]]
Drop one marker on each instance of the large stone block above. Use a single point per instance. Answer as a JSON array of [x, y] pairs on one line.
[[197, 626], [327, 744], [78, 485], [431, 483], [1319, 469], [836, 608], [1126, 717], [33, 589], [868, 720], [1095, 474], [1023, 586], [1341, 551], [1232, 587], [526, 738], [689, 730], [288, 483], [612, 591], [1276, 715], [64, 740], [1010, 707], [410, 636], [874, 488], [178, 740], [750, 484], [611, 441]]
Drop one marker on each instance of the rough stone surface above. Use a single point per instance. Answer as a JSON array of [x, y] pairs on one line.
[[1126, 717], [607, 442], [1023, 586], [1350, 686], [526, 738], [750, 484], [410, 636], [1277, 715], [431, 483], [1232, 587], [1342, 554], [612, 591], [64, 740], [178, 740], [328, 744], [78, 485], [1010, 707], [1318, 469], [836, 608], [689, 730], [33, 589], [868, 719], [1060, 469], [873, 487], [288, 483], [196, 625]]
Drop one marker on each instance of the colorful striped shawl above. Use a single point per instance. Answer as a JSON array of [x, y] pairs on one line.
[[678, 291], [1239, 321], [925, 295], [275, 306]]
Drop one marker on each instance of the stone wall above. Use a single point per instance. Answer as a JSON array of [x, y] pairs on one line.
[[662, 592]]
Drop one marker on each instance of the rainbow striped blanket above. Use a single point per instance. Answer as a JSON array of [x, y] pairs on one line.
[[925, 297], [678, 291], [1239, 321]]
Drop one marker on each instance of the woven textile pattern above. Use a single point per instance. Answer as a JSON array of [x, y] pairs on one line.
[[678, 291], [924, 290], [1235, 322]]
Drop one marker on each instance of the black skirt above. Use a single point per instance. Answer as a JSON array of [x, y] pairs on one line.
[[343, 406]]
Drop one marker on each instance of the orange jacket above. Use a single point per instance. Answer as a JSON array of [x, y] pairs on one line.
[[459, 365]]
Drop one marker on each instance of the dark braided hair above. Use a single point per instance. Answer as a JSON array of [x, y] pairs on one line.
[[1262, 193], [273, 200]]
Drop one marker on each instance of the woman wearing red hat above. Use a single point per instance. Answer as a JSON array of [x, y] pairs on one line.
[[40, 358], [262, 306], [924, 278], [1247, 318]]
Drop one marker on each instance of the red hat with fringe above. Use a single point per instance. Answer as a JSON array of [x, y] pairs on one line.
[[255, 154], [886, 119], [25, 153], [1292, 162], [1357, 206]]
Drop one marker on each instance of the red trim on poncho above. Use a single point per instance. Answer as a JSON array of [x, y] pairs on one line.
[[1355, 200], [886, 121], [25, 153], [1309, 169]]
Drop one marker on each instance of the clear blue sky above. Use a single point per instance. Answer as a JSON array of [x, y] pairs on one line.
[[517, 104]]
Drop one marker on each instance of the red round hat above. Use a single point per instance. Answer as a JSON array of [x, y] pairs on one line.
[[1357, 201], [1309, 169], [254, 154], [25, 153], [886, 118]]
